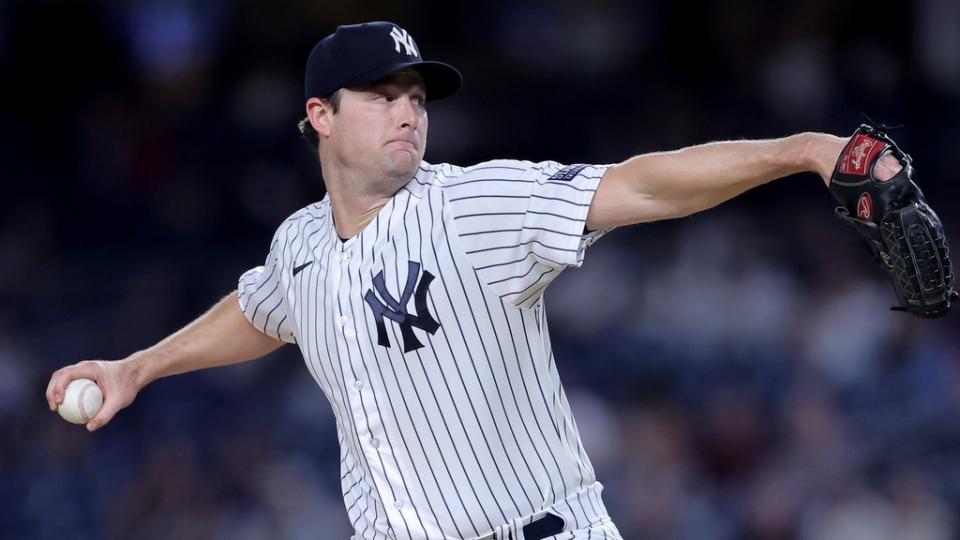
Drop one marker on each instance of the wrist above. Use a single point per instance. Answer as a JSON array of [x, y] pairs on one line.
[[809, 150], [820, 152], [137, 367], [796, 151]]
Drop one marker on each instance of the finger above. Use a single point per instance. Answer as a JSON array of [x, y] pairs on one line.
[[52, 385], [105, 414], [51, 395], [55, 389], [62, 377], [887, 167]]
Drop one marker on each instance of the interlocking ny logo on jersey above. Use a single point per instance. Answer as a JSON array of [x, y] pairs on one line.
[[396, 310], [401, 37]]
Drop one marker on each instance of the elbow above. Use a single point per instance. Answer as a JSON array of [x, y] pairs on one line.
[[636, 208], [671, 209], [627, 195]]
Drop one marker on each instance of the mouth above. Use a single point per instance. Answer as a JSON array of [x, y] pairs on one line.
[[404, 144]]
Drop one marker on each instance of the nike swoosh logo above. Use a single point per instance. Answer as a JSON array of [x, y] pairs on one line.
[[297, 269]]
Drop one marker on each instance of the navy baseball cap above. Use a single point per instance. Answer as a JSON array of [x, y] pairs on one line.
[[357, 54]]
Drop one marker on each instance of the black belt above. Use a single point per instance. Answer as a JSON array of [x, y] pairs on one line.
[[544, 527]]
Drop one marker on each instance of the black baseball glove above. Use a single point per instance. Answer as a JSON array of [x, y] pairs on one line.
[[902, 231]]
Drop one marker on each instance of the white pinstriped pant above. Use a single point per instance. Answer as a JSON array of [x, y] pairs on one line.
[[584, 514], [592, 523]]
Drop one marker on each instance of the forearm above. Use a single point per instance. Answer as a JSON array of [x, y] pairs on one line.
[[219, 337], [705, 175], [665, 185]]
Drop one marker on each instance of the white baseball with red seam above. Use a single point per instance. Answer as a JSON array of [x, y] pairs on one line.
[[81, 401]]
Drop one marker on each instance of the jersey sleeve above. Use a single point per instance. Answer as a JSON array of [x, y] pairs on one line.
[[262, 298], [522, 223]]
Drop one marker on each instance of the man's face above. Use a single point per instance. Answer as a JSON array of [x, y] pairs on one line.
[[381, 129]]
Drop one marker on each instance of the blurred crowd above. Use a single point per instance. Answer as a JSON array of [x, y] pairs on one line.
[[736, 375]]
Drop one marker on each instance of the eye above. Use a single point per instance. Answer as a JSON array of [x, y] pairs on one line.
[[418, 99]]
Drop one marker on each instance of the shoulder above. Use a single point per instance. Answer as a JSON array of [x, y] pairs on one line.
[[510, 175], [446, 175], [309, 217], [317, 212]]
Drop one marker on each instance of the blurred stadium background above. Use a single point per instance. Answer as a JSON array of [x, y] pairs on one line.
[[736, 374]]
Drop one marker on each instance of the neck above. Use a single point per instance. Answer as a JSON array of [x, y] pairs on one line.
[[356, 200]]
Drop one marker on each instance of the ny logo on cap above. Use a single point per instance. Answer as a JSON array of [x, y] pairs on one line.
[[401, 37], [396, 309]]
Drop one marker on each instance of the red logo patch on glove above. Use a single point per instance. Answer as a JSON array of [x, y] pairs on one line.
[[859, 153]]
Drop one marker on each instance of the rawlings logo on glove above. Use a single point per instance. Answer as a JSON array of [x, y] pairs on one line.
[[860, 151], [902, 231], [865, 206]]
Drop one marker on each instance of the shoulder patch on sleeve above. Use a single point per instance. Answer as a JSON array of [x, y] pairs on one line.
[[567, 173]]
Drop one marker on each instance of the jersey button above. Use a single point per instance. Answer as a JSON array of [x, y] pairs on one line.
[[343, 320], [374, 443], [398, 505], [358, 385], [345, 257]]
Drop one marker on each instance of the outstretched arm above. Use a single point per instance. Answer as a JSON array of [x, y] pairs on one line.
[[664, 185], [219, 337]]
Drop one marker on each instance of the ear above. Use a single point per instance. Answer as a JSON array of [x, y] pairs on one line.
[[319, 113]]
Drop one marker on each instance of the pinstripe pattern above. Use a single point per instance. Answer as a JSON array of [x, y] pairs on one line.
[[471, 432]]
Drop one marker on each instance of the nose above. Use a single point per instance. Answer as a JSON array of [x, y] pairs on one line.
[[408, 113]]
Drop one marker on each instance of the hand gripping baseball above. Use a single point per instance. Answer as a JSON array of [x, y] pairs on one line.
[[116, 379]]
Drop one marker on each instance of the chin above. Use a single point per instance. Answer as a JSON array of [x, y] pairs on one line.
[[404, 167]]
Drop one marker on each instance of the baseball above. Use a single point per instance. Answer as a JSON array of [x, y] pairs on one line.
[[81, 401]]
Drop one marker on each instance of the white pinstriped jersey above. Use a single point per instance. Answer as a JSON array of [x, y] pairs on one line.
[[427, 334]]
